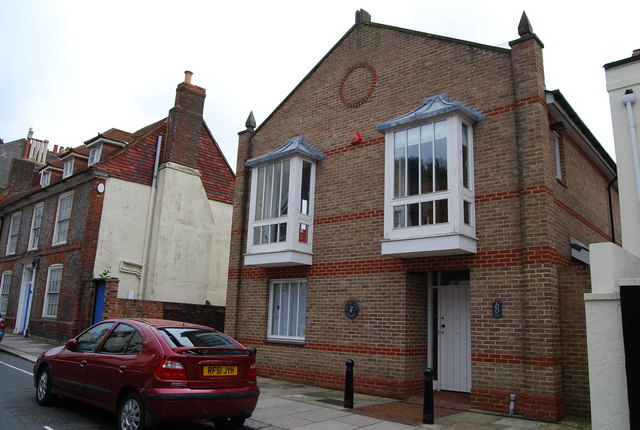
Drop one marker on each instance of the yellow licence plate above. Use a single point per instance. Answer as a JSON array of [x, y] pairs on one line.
[[220, 370]]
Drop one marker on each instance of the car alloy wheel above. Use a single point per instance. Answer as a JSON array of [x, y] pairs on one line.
[[131, 413], [43, 389]]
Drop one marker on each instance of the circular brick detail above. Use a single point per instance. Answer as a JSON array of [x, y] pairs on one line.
[[357, 85]]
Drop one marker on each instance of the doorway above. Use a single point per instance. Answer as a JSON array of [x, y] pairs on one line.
[[24, 302], [450, 330]]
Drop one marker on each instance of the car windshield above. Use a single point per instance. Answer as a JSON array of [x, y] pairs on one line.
[[196, 337]]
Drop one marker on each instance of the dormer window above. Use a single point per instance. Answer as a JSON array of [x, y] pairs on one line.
[[94, 155], [45, 178], [281, 206], [67, 168], [429, 197]]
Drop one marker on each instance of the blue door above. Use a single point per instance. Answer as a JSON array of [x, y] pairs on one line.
[[99, 302]]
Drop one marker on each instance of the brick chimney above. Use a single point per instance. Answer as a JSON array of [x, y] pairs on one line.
[[184, 124]]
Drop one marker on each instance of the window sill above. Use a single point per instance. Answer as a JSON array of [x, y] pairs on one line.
[[278, 259], [450, 244], [285, 342]]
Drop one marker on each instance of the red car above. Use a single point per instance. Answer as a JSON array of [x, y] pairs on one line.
[[153, 370]]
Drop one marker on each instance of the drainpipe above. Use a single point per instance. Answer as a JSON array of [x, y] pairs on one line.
[[147, 231], [629, 98], [611, 219]]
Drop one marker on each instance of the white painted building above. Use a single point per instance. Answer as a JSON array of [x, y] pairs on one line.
[[614, 267]]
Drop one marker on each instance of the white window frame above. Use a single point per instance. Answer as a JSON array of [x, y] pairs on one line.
[[36, 226], [453, 236], [52, 292], [67, 168], [558, 155], [45, 178], [297, 247], [5, 285], [14, 232], [94, 155], [282, 333], [63, 220]]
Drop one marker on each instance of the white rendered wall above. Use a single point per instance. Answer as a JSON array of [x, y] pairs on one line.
[[188, 255], [216, 294], [607, 374], [620, 79], [121, 235], [183, 253]]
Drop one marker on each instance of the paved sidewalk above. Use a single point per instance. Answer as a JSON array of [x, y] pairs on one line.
[[287, 406]]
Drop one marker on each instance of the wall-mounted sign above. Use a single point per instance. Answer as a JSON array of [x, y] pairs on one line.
[[351, 309], [497, 309]]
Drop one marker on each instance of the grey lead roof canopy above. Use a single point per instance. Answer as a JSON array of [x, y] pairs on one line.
[[430, 107], [295, 145]]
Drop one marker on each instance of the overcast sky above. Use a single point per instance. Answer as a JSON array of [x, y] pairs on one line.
[[72, 69]]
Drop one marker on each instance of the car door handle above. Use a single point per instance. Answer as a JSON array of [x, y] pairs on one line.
[[122, 369], [83, 363]]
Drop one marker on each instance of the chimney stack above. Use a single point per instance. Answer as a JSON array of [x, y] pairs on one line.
[[184, 124]]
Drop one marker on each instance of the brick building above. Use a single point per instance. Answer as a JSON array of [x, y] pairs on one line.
[[422, 201], [148, 211]]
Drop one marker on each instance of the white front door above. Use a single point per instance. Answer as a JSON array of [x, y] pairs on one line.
[[454, 337], [24, 302]]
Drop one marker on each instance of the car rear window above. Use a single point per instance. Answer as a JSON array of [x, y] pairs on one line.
[[194, 337]]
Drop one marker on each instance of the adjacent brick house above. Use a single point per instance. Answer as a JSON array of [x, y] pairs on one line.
[[422, 201], [151, 209]]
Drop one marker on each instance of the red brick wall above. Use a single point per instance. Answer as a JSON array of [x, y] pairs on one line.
[[114, 307]]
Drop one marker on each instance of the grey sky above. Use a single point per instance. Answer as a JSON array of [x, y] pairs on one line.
[[71, 69]]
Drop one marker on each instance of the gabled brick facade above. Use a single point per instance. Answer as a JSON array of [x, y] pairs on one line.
[[524, 220]]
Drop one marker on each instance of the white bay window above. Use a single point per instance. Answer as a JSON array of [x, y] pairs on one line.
[[429, 197], [281, 205]]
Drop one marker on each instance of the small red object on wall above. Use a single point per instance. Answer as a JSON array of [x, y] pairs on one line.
[[355, 138]]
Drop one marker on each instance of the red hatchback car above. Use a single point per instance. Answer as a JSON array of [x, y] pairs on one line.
[[153, 370]]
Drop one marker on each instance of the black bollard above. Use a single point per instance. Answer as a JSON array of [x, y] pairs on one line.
[[348, 385], [427, 408]]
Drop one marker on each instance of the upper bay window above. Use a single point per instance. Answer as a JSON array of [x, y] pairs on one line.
[[429, 197], [281, 205]]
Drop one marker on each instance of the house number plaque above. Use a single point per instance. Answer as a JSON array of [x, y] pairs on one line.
[[351, 309], [497, 309]]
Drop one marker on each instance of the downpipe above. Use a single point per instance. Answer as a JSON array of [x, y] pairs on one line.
[[629, 98]]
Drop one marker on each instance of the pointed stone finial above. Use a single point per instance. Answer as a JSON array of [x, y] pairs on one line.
[[251, 122], [524, 27]]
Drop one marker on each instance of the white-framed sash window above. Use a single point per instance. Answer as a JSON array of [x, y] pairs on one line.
[[52, 293], [14, 231], [67, 168], [5, 285], [63, 218], [287, 310], [36, 225]]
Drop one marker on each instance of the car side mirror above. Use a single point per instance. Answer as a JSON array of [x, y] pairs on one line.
[[71, 344]]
